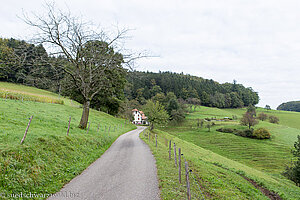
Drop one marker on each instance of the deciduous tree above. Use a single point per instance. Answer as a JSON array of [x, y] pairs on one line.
[[248, 120], [156, 113], [93, 57]]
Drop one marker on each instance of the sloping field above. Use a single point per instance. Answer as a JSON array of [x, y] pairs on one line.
[[260, 160], [49, 158], [216, 176]]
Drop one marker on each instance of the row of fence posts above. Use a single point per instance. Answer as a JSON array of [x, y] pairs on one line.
[[116, 127], [180, 155]]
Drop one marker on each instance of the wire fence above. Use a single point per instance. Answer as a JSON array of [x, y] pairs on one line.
[[107, 129], [192, 180]]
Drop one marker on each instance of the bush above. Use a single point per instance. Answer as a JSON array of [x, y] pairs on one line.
[[225, 130], [262, 116], [293, 172], [273, 119], [261, 133], [244, 133]]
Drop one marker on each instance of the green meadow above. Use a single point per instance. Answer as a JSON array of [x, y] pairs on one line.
[[208, 152], [49, 158]]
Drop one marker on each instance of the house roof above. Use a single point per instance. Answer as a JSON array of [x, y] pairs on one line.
[[144, 116]]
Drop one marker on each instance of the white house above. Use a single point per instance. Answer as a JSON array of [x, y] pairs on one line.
[[139, 117]]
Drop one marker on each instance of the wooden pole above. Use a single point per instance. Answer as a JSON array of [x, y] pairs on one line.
[[26, 130], [170, 150], [175, 157], [88, 128], [98, 127], [188, 191], [69, 126], [156, 140], [179, 164]]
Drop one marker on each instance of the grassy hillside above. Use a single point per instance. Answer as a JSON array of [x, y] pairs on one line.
[[25, 93], [287, 118], [48, 158], [216, 177], [265, 157]]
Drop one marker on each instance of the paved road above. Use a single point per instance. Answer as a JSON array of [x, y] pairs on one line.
[[126, 171]]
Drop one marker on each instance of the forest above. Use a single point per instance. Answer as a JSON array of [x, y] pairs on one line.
[[146, 85], [290, 106], [29, 64]]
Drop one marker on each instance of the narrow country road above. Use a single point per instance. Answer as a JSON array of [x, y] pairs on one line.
[[126, 171]]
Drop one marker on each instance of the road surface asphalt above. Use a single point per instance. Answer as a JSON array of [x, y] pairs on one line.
[[126, 171]]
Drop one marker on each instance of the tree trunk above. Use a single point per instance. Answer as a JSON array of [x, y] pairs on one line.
[[151, 126], [85, 115]]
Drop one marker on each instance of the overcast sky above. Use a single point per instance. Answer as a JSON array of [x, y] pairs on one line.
[[254, 42]]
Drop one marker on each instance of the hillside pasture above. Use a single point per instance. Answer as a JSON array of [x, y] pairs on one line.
[[25, 93], [217, 176], [49, 158]]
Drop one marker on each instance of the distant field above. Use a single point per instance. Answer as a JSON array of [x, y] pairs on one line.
[[287, 118], [48, 158], [268, 157], [218, 177]]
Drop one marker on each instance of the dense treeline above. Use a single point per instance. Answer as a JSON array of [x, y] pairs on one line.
[[146, 85], [29, 64], [290, 106]]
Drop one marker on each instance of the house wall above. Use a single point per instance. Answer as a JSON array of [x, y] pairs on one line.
[[137, 116]]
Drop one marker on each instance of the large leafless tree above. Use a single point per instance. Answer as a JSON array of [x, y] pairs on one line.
[[92, 56]]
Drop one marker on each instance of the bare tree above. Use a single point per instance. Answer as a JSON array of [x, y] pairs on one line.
[[93, 58], [248, 120]]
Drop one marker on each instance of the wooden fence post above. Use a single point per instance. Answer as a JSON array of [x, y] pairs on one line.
[[188, 191], [98, 127], [88, 128], [26, 130], [175, 157], [179, 164], [69, 126], [156, 140], [170, 150], [109, 129]]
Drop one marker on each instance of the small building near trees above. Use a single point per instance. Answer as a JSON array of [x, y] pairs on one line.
[[139, 117]]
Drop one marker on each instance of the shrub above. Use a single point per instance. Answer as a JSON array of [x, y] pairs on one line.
[[293, 172], [225, 130], [273, 119], [262, 116], [244, 133], [261, 133]]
